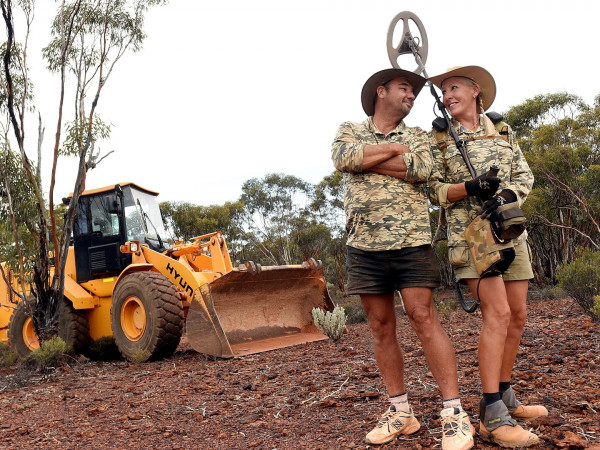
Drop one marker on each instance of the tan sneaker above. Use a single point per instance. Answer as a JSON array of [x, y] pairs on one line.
[[391, 424], [457, 431], [509, 436], [519, 411], [496, 426], [528, 413]]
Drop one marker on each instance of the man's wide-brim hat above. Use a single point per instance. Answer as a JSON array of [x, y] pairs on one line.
[[485, 80], [369, 90]]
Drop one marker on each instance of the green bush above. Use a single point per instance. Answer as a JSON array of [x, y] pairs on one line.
[[332, 324], [441, 251], [8, 356], [335, 293], [355, 313], [140, 356], [445, 306], [581, 280], [552, 293], [52, 353], [104, 349], [351, 304], [595, 309]]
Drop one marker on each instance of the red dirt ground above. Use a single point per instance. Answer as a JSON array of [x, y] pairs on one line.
[[323, 395]]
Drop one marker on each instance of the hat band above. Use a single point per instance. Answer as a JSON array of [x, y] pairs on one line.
[[459, 76]]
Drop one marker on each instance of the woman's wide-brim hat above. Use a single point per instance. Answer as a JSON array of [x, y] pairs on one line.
[[369, 90], [485, 80]]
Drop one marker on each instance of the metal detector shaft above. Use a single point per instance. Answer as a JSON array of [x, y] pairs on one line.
[[460, 145]]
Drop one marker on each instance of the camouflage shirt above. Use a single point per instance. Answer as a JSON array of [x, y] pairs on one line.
[[383, 212], [449, 168]]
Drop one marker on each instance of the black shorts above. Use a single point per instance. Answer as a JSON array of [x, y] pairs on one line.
[[383, 272]]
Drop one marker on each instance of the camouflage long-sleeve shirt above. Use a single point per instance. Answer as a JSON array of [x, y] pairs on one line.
[[449, 168], [383, 212]]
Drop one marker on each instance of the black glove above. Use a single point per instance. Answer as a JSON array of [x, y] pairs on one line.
[[505, 196], [484, 186]]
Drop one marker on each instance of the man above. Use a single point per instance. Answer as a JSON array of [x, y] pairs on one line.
[[384, 163]]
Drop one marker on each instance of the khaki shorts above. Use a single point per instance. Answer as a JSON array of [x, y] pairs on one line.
[[520, 269]]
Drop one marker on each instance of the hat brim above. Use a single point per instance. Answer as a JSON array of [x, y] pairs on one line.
[[369, 90], [487, 85]]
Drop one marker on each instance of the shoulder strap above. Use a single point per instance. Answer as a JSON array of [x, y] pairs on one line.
[[502, 128], [442, 137], [498, 121]]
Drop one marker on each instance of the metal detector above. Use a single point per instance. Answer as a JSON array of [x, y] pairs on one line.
[[418, 46]]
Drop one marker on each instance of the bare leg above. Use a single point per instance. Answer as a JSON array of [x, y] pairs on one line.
[[437, 347], [516, 292], [496, 318], [388, 354]]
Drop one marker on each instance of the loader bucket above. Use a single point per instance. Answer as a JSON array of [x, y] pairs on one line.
[[255, 309]]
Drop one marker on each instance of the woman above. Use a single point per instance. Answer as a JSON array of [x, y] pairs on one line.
[[467, 93]]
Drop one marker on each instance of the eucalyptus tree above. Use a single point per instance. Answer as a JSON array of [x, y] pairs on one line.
[[273, 210], [89, 37], [559, 137], [187, 221], [328, 204]]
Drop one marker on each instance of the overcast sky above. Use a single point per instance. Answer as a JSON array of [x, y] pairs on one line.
[[227, 91]]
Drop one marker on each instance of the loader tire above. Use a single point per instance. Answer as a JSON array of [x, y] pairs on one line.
[[146, 317], [21, 335], [73, 327]]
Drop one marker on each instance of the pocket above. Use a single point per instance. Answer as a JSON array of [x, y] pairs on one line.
[[458, 256], [490, 257], [504, 156]]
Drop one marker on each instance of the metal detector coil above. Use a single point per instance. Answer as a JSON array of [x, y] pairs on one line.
[[418, 47], [408, 41]]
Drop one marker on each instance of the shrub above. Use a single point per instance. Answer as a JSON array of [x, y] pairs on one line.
[[552, 293], [140, 356], [441, 251], [335, 293], [353, 309], [355, 313], [52, 353], [104, 349], [332, 324], [581, 280], [445, 306], [7, 356], [595, 309]]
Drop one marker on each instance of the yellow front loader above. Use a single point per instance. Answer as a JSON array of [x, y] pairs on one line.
[[9, 313], [122, 281]]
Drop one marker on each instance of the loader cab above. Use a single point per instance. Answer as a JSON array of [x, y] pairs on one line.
[[108, 217]]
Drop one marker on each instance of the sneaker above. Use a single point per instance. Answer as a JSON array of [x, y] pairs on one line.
[[519, 411], [457, 431], [391, 424], [498, 427]]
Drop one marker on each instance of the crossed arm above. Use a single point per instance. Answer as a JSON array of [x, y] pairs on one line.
[[385, 159]]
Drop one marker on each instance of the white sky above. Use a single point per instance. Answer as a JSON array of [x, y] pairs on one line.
[[226, 91]]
